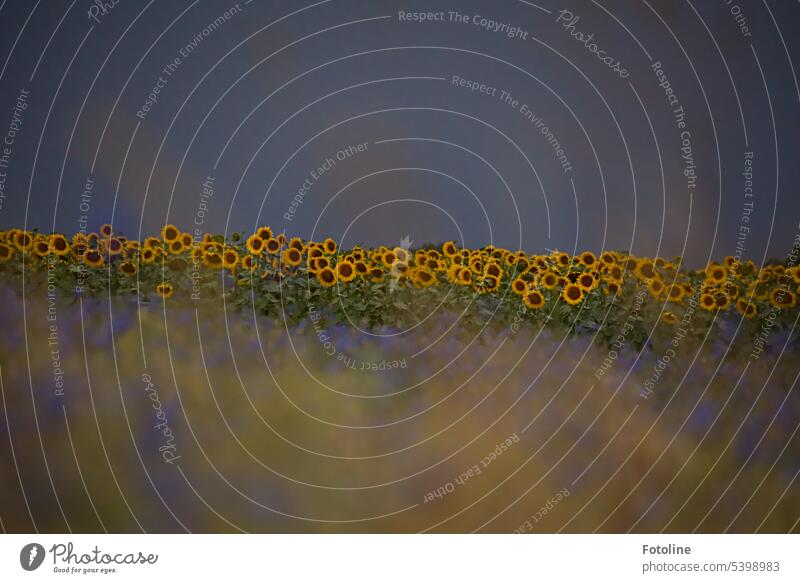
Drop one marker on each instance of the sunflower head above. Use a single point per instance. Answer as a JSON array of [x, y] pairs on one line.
[[59, 245], [212, 260], [549, 280], [164, 289], [519, 286], [255, 244], [675, 293], [493, 270], [127, 268], [449, 249], [176, 247], [533, 299], [424, 278], [782, 299], [464, 276], [345, 271], [230, 258], [41, 247], [586, 281], [170, 233], [746, 309], [707, 302], [292, 257], [572, 294], [272, 245], [93, 258], [326, 276], [716, 273], [329, 246], [5, 252], [588, 259]]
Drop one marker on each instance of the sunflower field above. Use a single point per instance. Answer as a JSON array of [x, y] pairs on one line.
[[291, 279]]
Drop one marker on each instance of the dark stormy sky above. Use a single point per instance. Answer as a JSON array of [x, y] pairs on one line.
[[268, 102]]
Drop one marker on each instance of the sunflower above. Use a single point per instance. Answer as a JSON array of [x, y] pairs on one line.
[[707, 302], [549, 280], [272, 245], [361, 268], [533, 299], [607, 258], [264, 233], [153, 242], [41, 247], [212, 260], [23, 241], [255, 244], [669, 318], [562, 259], [297, 243], [376, 274], [292, 257], [128, 268], [176, 247], [572, 294], [112, 246], [782, 298], [106, 230], [490, 283], [230, 258], [722, 300], [247, 262], [329, 246], [5, 252], [345, 271], [93, 258], [716, 273], [675, 293], [586, 281], [493, 270], [389, 258], [424, 278], [170, 233], [326, 276], [164, 289], [655, 287], [612, 288], [401, 254], [746, 309], [477, 265], [449, 249], [58, 244], [615, 271], [464, 276], [452, 272], [645, 269], [148, 255], [587, 259], [519, 286]]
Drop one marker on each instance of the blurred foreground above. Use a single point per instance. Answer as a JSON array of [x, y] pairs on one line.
[[171, 419]]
